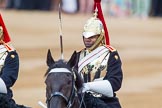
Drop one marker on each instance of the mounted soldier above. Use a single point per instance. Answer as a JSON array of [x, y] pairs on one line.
[[99, 64], [9, 69]]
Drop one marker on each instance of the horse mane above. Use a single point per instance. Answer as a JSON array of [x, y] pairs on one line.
[[58, 64]]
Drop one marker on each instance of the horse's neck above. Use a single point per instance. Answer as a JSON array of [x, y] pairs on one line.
[[76, 103]]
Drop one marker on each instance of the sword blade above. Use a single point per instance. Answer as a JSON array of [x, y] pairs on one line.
[[60, 29]]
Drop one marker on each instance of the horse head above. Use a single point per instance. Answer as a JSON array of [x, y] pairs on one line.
[[62, 82]]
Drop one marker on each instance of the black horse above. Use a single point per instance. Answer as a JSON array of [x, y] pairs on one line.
[[62, 83]]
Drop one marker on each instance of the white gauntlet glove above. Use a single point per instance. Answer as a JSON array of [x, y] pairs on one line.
[[85, 87], [3, 88], [103, 86]]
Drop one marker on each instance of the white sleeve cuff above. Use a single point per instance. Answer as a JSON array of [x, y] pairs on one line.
[[104, 87], [3, 88]]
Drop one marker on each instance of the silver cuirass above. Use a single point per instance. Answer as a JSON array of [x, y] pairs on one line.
[[96, 68]]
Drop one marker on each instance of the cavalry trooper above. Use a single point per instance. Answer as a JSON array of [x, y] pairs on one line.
[[9, 68], [99, 64]]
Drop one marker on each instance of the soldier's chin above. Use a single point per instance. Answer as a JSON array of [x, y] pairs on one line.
[[88, 46]]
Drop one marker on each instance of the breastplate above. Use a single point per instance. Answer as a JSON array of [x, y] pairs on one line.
[[96, 69], [3, 55]]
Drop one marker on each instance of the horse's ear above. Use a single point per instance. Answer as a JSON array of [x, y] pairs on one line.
[[73, 60], [50, 59]]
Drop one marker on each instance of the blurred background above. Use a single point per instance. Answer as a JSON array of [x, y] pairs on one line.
[[118, 8], [135, 31]]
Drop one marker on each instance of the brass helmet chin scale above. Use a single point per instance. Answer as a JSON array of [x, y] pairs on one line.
[[92, 28]]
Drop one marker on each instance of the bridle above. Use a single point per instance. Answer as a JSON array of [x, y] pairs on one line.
[[69, 100]]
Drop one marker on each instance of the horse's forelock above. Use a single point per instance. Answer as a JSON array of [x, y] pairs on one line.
[[58, 64]]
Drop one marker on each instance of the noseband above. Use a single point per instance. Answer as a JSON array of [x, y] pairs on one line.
[[69, 100]]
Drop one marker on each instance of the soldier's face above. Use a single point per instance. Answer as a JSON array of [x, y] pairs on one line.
[[88, 42]]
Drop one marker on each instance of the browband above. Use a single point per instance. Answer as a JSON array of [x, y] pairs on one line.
[[59, 70]]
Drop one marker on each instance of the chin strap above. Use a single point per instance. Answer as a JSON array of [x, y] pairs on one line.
[[103, 87], [99, 42], [3, 88]]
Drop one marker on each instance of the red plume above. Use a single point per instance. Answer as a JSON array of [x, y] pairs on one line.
[[97, 3], [5, 33]]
